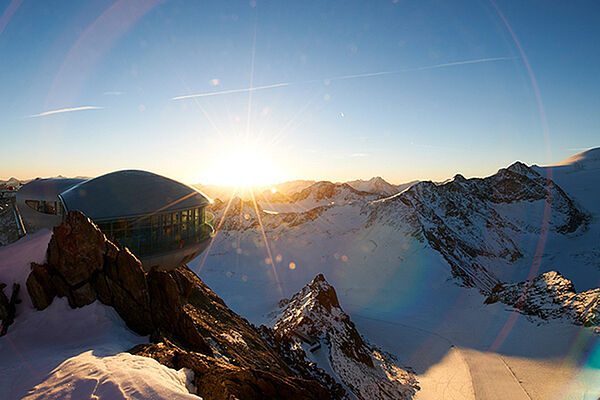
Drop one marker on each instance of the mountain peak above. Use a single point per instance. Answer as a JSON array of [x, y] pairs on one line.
[[519, 167], [377, 179], [459, 178], [314, 316], [318, 279], [376, 185]]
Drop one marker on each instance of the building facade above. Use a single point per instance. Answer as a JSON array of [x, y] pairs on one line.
[[162, 221]]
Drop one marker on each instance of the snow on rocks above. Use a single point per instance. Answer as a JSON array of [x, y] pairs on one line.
[[475, 224], [121, 376], [376, 185], [174, 305], [379, 186], [323, 193], [550, 296], [454, 218], [313, 316]]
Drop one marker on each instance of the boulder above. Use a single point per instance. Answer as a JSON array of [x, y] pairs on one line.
[[8, 307], [40, 287], [82, 296], [76, 248]]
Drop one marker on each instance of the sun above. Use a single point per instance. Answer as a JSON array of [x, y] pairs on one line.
[[245, 165]]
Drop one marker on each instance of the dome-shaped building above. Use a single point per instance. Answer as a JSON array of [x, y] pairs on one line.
[[162, 221]]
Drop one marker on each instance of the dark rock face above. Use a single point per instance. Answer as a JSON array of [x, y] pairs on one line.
[[8, 307], [219, 380], [76, 250], [174, 307]]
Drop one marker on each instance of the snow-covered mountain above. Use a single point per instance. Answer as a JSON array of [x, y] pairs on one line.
[[379, 186], [327, 193], [319, 195], [455, 216], [392, 259], [589, 159], [275, 191], [514, 205], [316, 320]]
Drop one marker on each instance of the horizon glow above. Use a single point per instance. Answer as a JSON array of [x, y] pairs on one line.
[[336, 91]]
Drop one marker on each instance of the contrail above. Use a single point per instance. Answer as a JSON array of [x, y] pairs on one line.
[[192, 96], [64, 110], [399, 71], [344, 77]]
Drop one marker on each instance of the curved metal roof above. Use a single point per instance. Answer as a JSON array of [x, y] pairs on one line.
[[46, 189], [130, 193]]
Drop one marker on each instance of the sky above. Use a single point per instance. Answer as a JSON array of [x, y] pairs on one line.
[[341, 90]]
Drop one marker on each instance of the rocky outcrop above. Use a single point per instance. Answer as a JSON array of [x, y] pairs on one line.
[[83, 266], [313, 317], [218, 380], [550, 296], [8, 307], [175, 308]]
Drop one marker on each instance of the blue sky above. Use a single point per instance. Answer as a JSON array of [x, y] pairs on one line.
[[129, 59]]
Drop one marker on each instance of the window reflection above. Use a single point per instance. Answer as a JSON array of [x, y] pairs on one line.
[[45, 207], [159, 232]]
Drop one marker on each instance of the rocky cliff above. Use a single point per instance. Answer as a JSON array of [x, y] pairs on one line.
[[188, 323], [314, 318]]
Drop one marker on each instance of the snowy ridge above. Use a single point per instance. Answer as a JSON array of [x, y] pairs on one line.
[[504, 209], [242, 215], [275, 192], [314, 315], [379, 186], [326, 193], [455, 216], [550, 296]]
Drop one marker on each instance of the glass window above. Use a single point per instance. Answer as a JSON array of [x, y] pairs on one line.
[[50, 207], [184, 223], [35, 204]]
